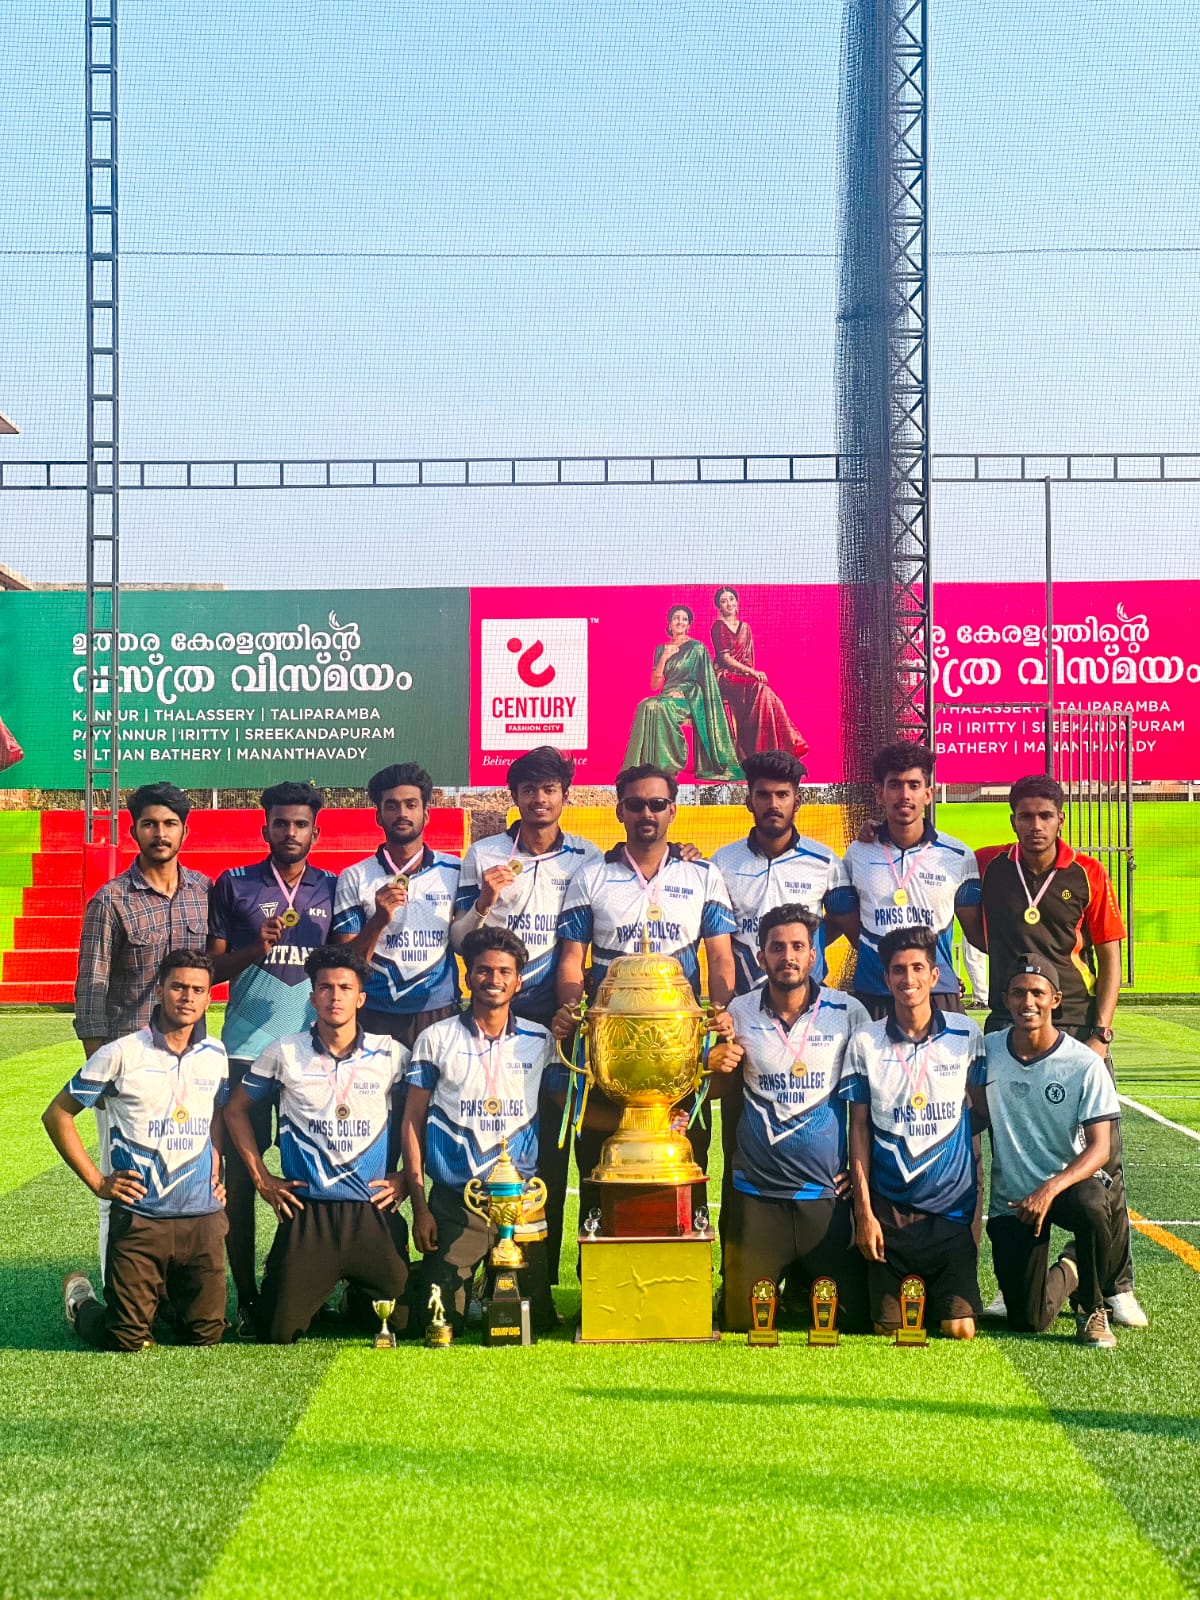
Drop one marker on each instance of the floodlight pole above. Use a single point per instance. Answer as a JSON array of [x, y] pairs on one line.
[[103, 407]]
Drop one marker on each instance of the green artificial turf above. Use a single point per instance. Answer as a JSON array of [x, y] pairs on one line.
[[1014, 1466]]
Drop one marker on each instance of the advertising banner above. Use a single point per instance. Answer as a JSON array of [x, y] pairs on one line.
[[225, 689]]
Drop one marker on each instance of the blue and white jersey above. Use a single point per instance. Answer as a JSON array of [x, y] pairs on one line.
[[936, 876], [482, 1091], [806, 874], [274, 996], [158, 1110], [921, 1156], [333, 1111], [607, 907], [413, 967], [791, 1138], [530, 907]]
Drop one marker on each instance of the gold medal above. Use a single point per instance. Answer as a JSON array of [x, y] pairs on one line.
[[180, 1115], [492, 1106], [919, 1101], [900, 897], [290, 917], [799, 1068], [516, 867], [400, 881], [342, 1113], [1033, 915], [654, 914]]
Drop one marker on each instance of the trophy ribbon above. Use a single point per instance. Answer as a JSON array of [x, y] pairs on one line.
[[917, 1097], [291, 916], [1032, 914], [900, 896], [652, 911], [580, 1074], [705, 1080], [797, 1051]]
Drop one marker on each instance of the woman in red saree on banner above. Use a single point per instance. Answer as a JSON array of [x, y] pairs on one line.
[[685, 690], [760, 719]]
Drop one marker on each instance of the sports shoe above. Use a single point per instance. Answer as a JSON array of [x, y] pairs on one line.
[[1092, 1330], [243, 1327], [76, 1289], [996, 1311], [1124, 1311]]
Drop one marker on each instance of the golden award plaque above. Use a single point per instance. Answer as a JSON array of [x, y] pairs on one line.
[[385, 1339], [912, 1313], [823, 1298], [764, 1303]]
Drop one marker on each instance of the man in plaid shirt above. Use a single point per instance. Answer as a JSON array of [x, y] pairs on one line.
[[130, 923]]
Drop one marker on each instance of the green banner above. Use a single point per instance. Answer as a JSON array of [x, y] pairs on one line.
[[241, 689]]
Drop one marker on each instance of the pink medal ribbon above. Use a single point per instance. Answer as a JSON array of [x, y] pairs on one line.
[[918, 1099], [653, 909], [493, 1050], [291, 916], [799, 1066], [400, 874], [900, 895], [341, 1097], [179, 1112]]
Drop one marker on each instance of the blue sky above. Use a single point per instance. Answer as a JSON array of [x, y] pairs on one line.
[[535, 184]]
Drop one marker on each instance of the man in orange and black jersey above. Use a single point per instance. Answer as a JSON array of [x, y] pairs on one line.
[[1042, 897]]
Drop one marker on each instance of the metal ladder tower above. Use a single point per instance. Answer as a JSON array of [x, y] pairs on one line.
[[103, 417]]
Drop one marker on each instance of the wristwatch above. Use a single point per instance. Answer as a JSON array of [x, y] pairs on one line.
[[1105, 1035]]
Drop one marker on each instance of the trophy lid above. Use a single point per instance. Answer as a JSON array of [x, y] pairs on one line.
[[503, 1172], [644, 984]]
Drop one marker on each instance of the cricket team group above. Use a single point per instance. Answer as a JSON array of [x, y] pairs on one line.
[[851, 1120]]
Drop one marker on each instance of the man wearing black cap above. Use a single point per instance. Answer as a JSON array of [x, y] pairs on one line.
[[1052, 1109]]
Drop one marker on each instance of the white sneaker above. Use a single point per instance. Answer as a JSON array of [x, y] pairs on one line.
[[1124, 1311], [76, 1290], [996, 1311]]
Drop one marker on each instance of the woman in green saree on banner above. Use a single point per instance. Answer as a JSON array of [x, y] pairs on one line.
[[685, 690]]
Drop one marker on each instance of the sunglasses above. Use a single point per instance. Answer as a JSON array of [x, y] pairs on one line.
[[637, 805]]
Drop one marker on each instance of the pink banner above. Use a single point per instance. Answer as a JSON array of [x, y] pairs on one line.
[[575, 668]]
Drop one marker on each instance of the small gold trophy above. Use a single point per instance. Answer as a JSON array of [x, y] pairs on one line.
[[823, 1298], [912, 1313], [385, 1339], [439, 1335], [764, 1302], [502, 1199]]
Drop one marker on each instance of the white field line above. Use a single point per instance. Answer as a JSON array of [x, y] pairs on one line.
[[1155, 1116]]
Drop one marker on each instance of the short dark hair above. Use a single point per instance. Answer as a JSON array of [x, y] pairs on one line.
[[291, 794], [543, 765], [197, 959], [726, 588], [1037, 787], [334, 958], [679, 606], [159, 794], [777, 764], [915, 938], [480, 940], [628, 775], [781, 916], [902, 757], [404, 775]]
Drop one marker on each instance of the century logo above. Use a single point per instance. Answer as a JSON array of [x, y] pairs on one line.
[[533, 682]]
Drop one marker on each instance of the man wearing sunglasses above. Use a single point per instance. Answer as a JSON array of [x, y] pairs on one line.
[[643, 887]]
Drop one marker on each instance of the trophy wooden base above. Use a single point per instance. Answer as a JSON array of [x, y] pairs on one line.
[[650, 1210], [643, 1290]]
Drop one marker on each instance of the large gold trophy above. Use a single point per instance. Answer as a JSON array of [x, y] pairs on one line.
[[645, 1033], [646, 1250]]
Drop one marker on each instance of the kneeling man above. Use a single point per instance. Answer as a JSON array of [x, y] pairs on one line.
[[161, 1089], [911, 1161], [336, 1199], [788, 1214], [474, 1081], [1052, 1108]]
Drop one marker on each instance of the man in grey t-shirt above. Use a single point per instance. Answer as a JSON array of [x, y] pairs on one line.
[[1051, 1107]]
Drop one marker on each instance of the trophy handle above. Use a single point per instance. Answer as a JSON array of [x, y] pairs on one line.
[[476, 1200], [535, 1193]]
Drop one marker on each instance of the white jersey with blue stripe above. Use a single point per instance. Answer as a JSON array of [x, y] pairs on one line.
[[791, 1137], [413, 967], [607, 907], [531, 906], [921, 1157], [158, 1109], [481, 1091], [936, 876], [331, 1157], [805, 874]]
